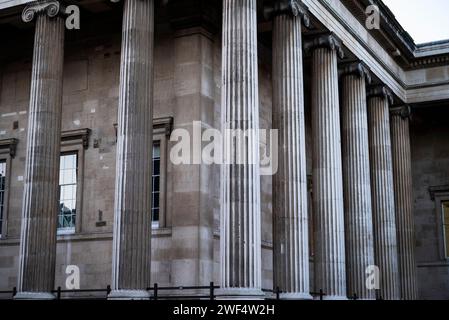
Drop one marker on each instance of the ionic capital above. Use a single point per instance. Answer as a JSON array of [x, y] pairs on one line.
[[325, 40], [357, 68], [51, 8], [404, 111], [294, 8], [381, 91]]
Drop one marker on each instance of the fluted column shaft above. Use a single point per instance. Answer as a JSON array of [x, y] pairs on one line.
[[40, 200], [290, 218], [330, 271], [357, 186], [132, 221], [240, 241], [385, 243], [403, 190]]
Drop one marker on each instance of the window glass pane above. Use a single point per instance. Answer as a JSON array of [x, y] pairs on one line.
[[446, 226], [156, 181], [156, 150], [67, 193], [2, 192]]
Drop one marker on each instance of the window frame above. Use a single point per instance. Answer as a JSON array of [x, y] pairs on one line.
[[7, 153], [156, 224], [75, 142], [162, 139], [440, 195], [445, 236], [78, 198]]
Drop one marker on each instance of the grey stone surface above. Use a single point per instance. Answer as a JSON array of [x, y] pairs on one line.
[[430, 168], [240, 203], [131, 254], [403, 190], [357, 184], [381, 164], [290, 218], [187, 86], [36, 273], [328, 206]]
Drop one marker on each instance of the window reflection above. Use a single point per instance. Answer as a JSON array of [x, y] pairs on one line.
[[67, 193], [156, 183], [2, 193]]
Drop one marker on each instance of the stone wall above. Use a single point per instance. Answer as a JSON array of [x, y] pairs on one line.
[[187, 75], [430, 159]]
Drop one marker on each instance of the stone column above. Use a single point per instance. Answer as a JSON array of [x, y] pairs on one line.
[[357, 186], [385, 245], [240, 233], [330, 270], [131, 256], [403, 190], [40, 200], [290, 219]]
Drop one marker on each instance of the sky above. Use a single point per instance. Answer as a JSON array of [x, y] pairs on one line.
[[424, 20]]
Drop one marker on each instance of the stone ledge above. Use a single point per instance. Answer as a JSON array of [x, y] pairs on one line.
[[157, 233], [437, 264]]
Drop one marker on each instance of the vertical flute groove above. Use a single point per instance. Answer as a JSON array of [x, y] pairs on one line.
[[132, 211], [240, 208], [385, 241], [290, 220], [40, 203], [403, 190], [330, 271], [357, 187]]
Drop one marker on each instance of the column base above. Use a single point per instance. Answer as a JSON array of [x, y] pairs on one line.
[[334, 298], [295, 296], [129, 295], [240, 294], [34, 296]]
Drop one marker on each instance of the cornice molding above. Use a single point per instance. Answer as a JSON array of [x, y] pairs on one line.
[[51, 8], [380, 91], [325, 40], [404, 111], [8, 146], [357, 68], [74, 136], [294, 8]]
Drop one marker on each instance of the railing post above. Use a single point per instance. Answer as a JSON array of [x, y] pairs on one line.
[[212, 294], [14, 291], [155, 291], [278, 294], [59, 293]]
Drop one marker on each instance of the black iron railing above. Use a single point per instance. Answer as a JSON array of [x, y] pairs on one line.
[[167, 293], [205, 292]]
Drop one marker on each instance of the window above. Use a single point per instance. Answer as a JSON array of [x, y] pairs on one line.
[[67, 193], [156, 184], [446, 226], [2, 193], [7, 154]]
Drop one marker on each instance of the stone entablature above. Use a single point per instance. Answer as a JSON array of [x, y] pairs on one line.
[[362, 42]]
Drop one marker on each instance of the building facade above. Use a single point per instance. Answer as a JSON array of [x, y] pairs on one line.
[[92, 117]]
